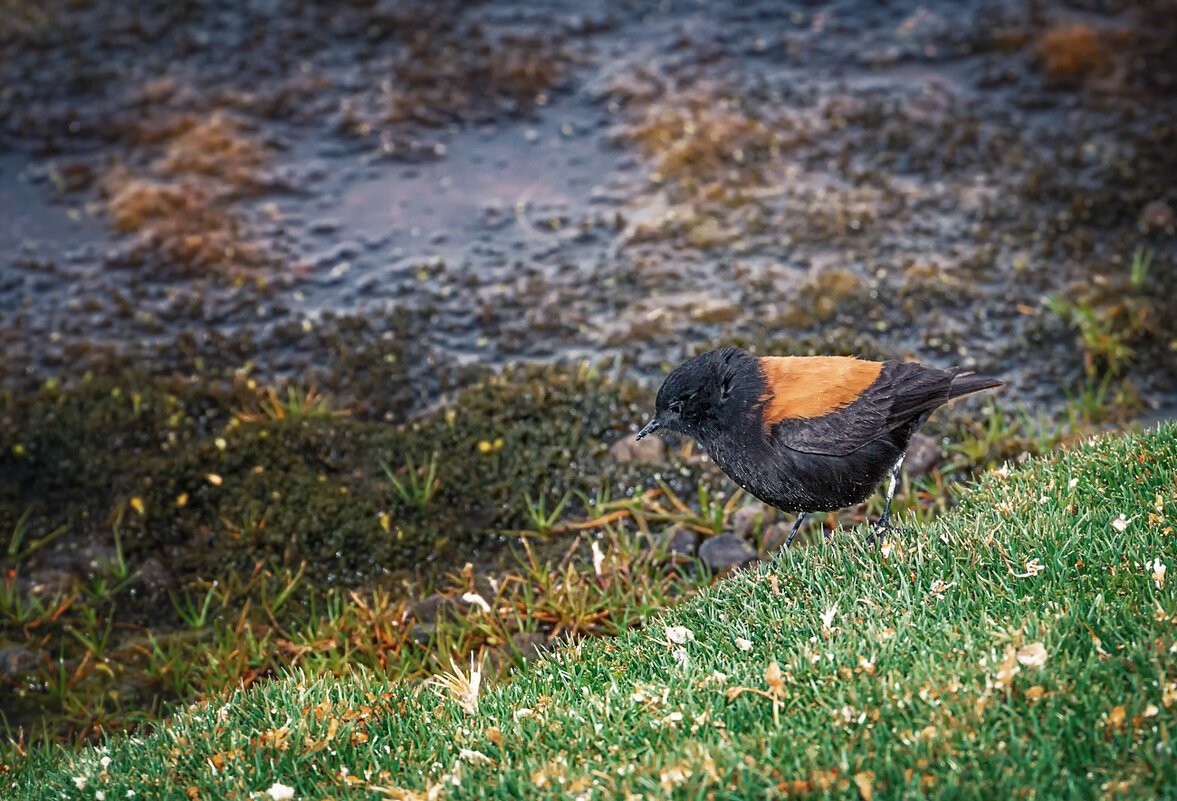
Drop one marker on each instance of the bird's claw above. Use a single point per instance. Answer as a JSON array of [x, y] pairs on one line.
[[882, 530]]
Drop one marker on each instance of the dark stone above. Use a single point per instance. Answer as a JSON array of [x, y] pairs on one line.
[[428, 610], [152, 579], [54, 581], [15, 660], [775, 538], [679, 541], [726, 550], [324, 227], [744, 520], [529, 644], [1158, 215], [651, 450], [421, 634], [923, 453]]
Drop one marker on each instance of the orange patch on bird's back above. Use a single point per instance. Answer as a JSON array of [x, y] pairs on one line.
[[813, 386]]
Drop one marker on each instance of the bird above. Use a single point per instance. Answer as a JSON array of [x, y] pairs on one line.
[[806, 434]]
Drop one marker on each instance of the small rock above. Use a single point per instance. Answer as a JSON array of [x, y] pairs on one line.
[[774, 538], [15, 660], [651, 450], [324, 227], [726, 550], [428, 610], [775, 535], [1158, 215], [420, 634], [744, 520], [923, 453], [53, 581], [529, 644], [679, 541], [152, 579]]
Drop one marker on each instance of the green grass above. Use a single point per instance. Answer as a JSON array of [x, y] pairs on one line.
[[1023, 644]]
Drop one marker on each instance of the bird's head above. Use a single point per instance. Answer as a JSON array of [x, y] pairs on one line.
[[709, 393]]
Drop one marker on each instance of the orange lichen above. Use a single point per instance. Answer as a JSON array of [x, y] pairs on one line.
[[1073, 52], [215, 147], [696, 140], [183, 207]]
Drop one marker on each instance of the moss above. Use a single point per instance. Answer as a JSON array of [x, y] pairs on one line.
[[71, 450], [220, 493]]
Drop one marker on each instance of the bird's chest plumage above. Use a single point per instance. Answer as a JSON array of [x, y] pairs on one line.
[[794, 481]]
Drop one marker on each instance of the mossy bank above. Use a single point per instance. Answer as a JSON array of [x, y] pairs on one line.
[[1022, 645]]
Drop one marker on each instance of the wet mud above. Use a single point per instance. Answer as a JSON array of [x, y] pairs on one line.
[[572, 180]]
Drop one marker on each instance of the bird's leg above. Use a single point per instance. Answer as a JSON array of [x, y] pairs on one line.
[[796, 526], [884, 524]]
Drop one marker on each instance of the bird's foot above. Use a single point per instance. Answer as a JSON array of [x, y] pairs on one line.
[[882, 530]]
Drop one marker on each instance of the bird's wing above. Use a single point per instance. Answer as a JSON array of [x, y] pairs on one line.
[[901, 395]]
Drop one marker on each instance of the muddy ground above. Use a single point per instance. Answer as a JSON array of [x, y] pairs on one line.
[[498, 181], [391, 202]]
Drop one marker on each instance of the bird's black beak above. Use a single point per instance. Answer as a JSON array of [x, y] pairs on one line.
[[650, 428]]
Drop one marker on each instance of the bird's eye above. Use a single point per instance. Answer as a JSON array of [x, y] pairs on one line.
[[676, 407]]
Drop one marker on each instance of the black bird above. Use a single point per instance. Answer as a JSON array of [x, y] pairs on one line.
[[806, 434]]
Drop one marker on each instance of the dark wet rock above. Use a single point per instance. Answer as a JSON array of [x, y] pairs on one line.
[[529, 644], [428, 610], [152, 578], [54, 581], [678, 541], [777, 533], [923, 453], [1158, 215], [651, 450], [338, 254], [744, 520], [15, 660], [421, 635], [323, 227], [724, 551]]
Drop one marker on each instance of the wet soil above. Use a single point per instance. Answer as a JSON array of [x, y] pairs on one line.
[[578, 180]]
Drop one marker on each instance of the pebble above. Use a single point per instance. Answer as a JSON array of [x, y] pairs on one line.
[[1158, 215], [923, 453], [15, 660], [427, 610], [679, 541], [152, 578], [744, 520], [724, 551], [529, 644]]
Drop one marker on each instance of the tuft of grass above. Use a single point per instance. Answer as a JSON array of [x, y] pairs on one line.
[[1113, 316], [543, 520], [1025, 643], [420, 485], [297, 405], [1141, 262]]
